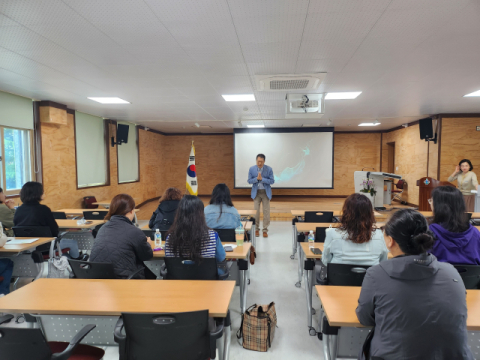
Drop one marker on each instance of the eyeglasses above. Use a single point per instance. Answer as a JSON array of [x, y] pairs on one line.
[[430, 201]]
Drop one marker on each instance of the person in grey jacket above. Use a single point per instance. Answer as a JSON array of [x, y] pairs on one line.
[[121, 243], [404, 298]]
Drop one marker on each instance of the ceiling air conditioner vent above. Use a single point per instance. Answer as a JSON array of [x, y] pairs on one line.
[[289, 82]]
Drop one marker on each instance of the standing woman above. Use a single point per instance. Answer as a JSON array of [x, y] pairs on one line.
[[467, 181]]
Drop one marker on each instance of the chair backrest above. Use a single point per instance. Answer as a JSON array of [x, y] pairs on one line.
[[469, 215], [92, 270], [226, 235], [180, 269], [94, 215], [60, 215], [319, 216], [470, 275], [346, 274], [400, 184], [88, 202], [320, 234], [23, 343], [167, 336], [32, 231]]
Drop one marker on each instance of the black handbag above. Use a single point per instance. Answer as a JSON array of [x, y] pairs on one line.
[[365, 352]]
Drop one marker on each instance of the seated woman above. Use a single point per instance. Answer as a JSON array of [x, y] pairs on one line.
[[404, 298], [163, 217], [457, 241], [7, 212], [221, 214], [356, 241], [32, 213], [189, 237], [121, 243]]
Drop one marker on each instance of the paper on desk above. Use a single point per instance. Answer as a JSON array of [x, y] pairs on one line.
[[232, 246], [12, 241]]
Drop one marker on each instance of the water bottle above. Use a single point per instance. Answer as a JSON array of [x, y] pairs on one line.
[[158, 239], [239, 235], [311, 240]]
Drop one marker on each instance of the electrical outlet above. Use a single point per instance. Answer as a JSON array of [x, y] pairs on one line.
[[478, 128]]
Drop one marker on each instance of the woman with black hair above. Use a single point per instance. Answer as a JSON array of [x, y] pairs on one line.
[[32, 213], [404, 298], [467, 181], [189, 236], [457, 241], [221, 214]]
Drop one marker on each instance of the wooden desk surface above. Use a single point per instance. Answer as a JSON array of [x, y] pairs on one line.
[[240, 252], [309, 255], [247, 212], [335, 212], [112, 297], [305, 227], [246, 224], [72, 224], [22, 247], [79, 212], [475, 215], [340, 302]]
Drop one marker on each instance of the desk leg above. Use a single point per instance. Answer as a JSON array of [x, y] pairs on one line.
[[254, 237], [334, 346], [245, 287], [228, 339], [243, 266], [309, 277], [300, 265], [221, 347], [294, 241], [326, 347], [40, 268]]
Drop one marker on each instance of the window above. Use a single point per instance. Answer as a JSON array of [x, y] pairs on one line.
[[17, 164], [91, 151], [127, 157]]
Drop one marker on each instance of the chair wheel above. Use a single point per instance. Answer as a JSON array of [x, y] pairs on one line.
[[312, 331], [313, 311], [292, 257], [320, 336], [298, 284]]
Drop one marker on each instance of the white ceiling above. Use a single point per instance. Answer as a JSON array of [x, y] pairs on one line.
[[173, 59]]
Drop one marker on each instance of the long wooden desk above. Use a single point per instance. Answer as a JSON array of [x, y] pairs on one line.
[[112, 297], [23, 263], [240, 252], [72, 224], [306, 227], [335, 212], [247, 212], [79, 212], [475, 215], [340, 302]]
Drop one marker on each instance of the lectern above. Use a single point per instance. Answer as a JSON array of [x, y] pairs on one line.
[[427, 184]]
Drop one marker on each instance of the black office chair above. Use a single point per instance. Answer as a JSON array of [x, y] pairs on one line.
[[32, 231], [346, 274], [470, 275], [320, 234], [95, 230], [27, 343], [319, 216], [60, 215], [94, 215], [226, 235], [177, 269], [94, 270], [182, 336]]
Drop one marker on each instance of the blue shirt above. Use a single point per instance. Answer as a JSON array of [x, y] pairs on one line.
[[260, 184], [230, 218]]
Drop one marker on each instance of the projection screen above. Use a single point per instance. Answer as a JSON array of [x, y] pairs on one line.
[[300, 158]]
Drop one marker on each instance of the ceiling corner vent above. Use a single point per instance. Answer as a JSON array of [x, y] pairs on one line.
[[289, 82]]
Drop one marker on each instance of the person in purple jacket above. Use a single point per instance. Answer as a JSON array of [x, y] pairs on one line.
[[457, 241]]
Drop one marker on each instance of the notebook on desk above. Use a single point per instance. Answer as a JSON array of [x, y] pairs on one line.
[[13, 241]]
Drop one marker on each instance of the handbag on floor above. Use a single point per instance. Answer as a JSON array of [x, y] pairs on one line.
[[258, 327]]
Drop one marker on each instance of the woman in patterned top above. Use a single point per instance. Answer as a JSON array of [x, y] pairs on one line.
[[189, 236]]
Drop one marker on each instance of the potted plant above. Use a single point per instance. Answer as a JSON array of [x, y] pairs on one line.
[[369, 190]]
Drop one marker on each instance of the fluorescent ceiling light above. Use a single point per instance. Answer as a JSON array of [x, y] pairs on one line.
[[475, 93], [342, 95], [242, 97], [310, 125], [256, 126], [369, 124], [109, 100]]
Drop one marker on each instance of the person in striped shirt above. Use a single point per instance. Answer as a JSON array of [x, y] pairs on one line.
[[189, 236]]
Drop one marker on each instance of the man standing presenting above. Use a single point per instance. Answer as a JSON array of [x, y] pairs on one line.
[[261, 176]]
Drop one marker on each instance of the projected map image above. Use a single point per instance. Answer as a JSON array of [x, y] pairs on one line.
[[298, 160], [288, 173]]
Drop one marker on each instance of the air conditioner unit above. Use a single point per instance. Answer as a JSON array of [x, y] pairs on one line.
[[289, 82], [304, 106]]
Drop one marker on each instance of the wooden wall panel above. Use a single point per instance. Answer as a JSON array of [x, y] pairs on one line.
[[214, 161], [410, 158], [59, 168], [460, 140]]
